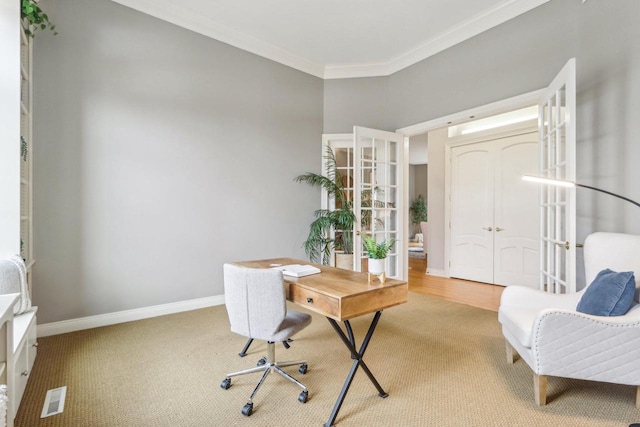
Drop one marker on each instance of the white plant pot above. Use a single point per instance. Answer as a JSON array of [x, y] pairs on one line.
[[376, 266]]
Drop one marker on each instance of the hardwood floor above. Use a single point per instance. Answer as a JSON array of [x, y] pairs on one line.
[[463, 291]]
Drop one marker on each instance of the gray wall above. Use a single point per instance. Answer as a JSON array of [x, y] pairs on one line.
[[356, 102], [161, 154], [523, 55]]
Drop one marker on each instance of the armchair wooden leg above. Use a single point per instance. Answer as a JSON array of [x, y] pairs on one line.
[[511, 352], [638, 397], [540, 389]]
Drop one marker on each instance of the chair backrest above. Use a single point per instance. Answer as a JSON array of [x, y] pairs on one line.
[[255, 300], [424, 226], [617, 251]]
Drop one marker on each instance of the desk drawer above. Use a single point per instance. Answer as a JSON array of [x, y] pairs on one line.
[[315, 301]]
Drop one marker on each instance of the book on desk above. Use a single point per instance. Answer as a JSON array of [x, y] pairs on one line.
[[297, 270]]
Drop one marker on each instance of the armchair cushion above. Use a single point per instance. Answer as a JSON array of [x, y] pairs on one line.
[[610, 294]]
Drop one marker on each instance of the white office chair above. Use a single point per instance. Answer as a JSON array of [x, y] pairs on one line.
[[556, 340], [256, 304]]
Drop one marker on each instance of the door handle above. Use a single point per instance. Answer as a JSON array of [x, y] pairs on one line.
[[499, 229], [487, 228], [567, 245]]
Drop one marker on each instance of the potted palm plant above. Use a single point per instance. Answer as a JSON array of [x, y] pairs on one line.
[[377, 253], [418, 210], [319, 244]]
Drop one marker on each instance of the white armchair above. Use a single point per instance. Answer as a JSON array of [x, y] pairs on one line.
[[556, 340]]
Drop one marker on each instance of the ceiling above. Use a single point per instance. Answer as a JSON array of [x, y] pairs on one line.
[[338, 38]]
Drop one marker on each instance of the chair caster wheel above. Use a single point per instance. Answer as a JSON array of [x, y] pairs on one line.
[[226, 383], [262, 361], [247, 409], [302, 398], [303, 369]]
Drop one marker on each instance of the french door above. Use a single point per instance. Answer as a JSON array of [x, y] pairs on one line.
[[557, 129], [371, 163]]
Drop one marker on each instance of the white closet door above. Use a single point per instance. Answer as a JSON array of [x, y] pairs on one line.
[[472, 212], [517, 215], [557, 129], [494, 214]]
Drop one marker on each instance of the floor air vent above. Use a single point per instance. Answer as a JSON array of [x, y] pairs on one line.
[[54, 402]]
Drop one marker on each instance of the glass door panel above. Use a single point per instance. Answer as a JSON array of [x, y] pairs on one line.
[[378, 195], [557, 204]]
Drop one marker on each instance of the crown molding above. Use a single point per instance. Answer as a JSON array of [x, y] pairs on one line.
[[197, 23], [465, 30], [191, 20]]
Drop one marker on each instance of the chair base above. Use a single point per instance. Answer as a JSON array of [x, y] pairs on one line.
[[243, 353], [268, 366]]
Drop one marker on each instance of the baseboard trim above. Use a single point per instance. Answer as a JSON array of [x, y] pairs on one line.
[[434, 272], [72, 325]]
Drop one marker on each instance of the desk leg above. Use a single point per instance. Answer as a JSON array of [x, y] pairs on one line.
[[357, 362]]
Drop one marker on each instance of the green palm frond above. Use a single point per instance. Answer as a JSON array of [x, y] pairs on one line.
[[331, 182], [340, 221]]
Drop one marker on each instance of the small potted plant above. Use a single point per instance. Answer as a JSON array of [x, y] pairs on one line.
[[377, 253]]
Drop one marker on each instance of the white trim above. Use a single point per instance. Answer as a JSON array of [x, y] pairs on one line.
[[437, 273], [10, 130], [457, 34], [405, 197], [530, 126], [193, 21], [107, 319], [498, 107]]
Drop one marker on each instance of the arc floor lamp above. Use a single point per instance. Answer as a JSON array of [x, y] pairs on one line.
[[571, 184]]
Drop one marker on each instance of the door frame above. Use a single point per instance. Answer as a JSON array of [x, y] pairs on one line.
[[487, 110]]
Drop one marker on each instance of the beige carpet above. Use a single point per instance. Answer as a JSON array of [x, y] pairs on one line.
[[442, 363]]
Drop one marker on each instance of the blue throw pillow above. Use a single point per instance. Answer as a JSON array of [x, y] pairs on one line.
[[610, 294]]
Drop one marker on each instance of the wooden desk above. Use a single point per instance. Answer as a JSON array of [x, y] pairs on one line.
[[341, 295]]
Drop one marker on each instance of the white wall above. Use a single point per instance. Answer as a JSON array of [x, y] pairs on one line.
[[435, 201], [9, 127]]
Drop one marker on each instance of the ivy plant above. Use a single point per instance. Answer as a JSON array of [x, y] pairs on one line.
[[36, 19]]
